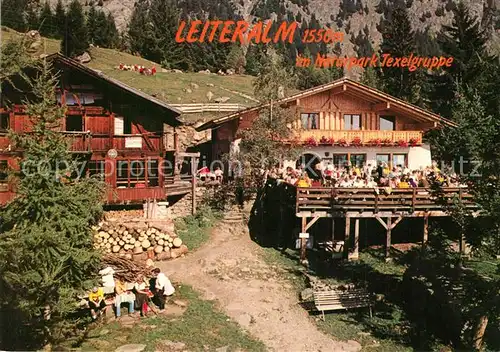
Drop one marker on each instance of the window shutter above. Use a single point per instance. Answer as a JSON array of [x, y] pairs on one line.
[[118, 125]]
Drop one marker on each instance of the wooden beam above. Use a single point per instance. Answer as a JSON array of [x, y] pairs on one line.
[[426, 231], [382, 106], [388, 239], [333, 229], [303, 241], [381, 222], [355, 252], [393, 225], [312, 222], [347, 236], [187, 155], [193, 185]]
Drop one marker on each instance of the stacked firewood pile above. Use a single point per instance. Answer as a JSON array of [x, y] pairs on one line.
[[139, 242]]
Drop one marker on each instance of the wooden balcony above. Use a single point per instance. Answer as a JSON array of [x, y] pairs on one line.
[[81, 142], [143, 142], [366, 202], [363, 137]]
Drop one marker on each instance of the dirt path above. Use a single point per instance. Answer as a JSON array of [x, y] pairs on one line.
[[229, 269]]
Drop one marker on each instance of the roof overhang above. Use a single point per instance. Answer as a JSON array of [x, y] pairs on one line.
[[381, 101], [173, 113]]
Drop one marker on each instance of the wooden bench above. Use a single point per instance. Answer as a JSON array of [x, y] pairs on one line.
[[340, 299]]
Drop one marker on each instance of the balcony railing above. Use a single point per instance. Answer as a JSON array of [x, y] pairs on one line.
[[365, 137], [81, 142]]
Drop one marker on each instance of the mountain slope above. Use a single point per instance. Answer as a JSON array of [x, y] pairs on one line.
[[357, 18]]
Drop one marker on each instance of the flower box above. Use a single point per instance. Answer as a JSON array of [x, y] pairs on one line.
[[311, 142], [375, 142], [413, 142], [342, 142], [402, 143], [356, 141], [387, 141], [326, 141]]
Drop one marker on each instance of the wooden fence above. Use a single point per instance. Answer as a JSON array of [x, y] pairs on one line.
[[215, 107]]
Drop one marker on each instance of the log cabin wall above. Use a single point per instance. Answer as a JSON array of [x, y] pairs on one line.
[[92, 109]]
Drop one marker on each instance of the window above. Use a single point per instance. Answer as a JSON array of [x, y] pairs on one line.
[[387, 123], [4, 122], [133, 173], [352, 122], [339, 160], [3, 171], [153, 173], [358, 160], [310, 121], [122, 174], [383, 158], [74, 123], [399, 159], [96, 168]]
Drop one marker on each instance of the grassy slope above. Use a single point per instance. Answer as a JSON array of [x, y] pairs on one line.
[[168, 86], [201, 326], [381, 333]]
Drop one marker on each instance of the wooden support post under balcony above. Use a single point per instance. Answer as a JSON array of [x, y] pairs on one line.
[[347, 236], [355, 253], [388, 240], [303, 241], [426, 230]]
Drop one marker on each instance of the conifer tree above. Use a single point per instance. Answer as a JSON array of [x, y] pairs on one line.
[[398, 40], [93, 30], [32, 18], [12, 14], [46, 252], [60, 20], [473, 67], [113, 37], [47, 21], [236, 59], [75, 40]]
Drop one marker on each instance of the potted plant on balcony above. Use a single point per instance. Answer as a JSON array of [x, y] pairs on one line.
[[356, 141], [311, 142], [330, 141], [413, 142], [402, 143], [342, 142], [376, 142], [387, 141]]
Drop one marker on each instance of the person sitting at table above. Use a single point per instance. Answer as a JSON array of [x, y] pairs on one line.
[[96, 302], [122, 295], [141, 295], [162, 287], [218, 174]]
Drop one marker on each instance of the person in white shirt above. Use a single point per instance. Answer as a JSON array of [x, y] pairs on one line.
[[163, 287]]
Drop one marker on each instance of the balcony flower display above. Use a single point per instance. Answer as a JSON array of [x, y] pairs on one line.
[[376, 142], [387, 141], [311, 142], [356, 141], [342, 142], [402, 143], [413, 142], [326, 140]]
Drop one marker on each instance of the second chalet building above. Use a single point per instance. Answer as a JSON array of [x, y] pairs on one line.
[[344, 121], [116, 130]]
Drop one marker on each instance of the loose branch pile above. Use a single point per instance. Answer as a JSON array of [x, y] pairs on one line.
[[126, 270], [144, 242]]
